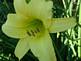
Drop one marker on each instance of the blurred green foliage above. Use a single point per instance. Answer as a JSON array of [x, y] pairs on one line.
[[62, 44]]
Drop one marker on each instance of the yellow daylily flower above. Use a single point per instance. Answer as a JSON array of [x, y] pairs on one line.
[[32, 24]]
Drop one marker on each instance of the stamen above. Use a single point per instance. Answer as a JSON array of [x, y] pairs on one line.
[[33, 33], [29, 33], [38, 30]]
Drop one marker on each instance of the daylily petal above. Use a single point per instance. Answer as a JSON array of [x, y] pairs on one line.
[[21, 7], [15, 26], [42, 48], [17, 20], [14, 32], [61, 24], [40, 9], [22, 48]]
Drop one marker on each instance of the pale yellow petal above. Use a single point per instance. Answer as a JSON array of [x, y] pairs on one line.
[[40, 9], [35, 8], [42, 48], [21, 7], [15, 26], [61, 24], [22, 48], [14, 32], [16, 20]]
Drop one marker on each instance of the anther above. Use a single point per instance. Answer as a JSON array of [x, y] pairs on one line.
[[35, 31], [38, 30], [32, 33], [29, 33]]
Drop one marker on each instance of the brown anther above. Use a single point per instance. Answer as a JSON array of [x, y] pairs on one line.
[[32, 33], [29, 33], [38, 30], [35, 31]]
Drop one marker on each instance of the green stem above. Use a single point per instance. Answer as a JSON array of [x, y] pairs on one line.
[[79, 33], [58, 54]]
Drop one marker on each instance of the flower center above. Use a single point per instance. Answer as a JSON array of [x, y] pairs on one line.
[[27, 1], [35, 28]]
